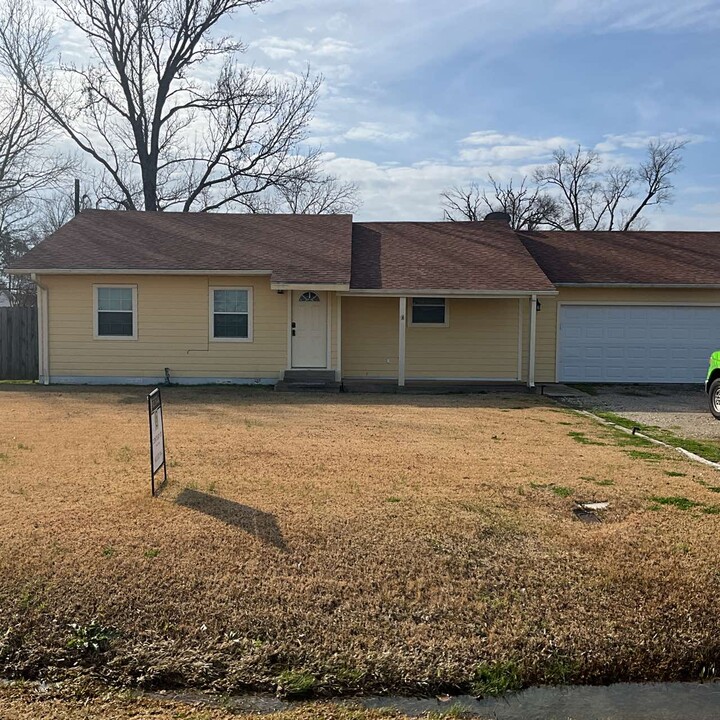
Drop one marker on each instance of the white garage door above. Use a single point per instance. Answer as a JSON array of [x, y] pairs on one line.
[[636, 343]]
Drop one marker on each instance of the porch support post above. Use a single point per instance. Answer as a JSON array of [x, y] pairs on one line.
[[520, 341], [533, 341], [289, 330], [43, 333], [401, 342], [338, 339]]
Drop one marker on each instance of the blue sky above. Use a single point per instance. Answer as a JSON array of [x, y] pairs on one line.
[[421, 95]]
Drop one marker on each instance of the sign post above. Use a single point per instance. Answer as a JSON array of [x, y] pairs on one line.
[[157, 437]]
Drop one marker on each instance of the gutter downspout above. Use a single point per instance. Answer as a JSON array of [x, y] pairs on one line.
[[43, 332], [533, 341]]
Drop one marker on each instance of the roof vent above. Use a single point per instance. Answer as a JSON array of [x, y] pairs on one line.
[[498, 217]]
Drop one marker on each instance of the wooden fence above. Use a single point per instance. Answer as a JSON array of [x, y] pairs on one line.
[[18, 343]]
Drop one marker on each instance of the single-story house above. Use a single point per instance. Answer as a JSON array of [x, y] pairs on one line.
[[132, 297]]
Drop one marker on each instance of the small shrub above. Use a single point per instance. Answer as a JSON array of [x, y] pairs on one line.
[[108, 551], [292, 683], [92, 638], [491, 679], [560, 671]]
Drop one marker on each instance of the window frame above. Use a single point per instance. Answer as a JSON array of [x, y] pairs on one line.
[[446, 305], [211, 318], [96, 311]]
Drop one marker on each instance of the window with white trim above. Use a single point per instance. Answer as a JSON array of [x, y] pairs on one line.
[[428, 311], [116, 311], [231, 314]]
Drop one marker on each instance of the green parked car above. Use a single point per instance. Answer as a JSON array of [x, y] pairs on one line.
[[712, 384]]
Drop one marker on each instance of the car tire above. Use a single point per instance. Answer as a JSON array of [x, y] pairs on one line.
[[714, 398]]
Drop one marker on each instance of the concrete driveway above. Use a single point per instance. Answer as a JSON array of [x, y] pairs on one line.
[[680, 408]]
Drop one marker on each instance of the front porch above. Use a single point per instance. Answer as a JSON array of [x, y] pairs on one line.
[[450, 342], [432, 387]]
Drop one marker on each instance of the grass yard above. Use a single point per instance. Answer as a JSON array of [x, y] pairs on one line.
[[317, 545], [19, 704]]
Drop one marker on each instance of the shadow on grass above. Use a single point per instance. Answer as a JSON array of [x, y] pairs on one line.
[[254, 522]]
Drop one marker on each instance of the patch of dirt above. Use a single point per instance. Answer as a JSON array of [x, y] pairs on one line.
[[345, 543]]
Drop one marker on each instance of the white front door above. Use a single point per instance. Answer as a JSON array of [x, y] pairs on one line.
[[309, 329]]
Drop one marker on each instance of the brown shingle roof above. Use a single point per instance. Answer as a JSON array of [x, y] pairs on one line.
[[295, 248], [473, 256], [632, 258], [441, 255]]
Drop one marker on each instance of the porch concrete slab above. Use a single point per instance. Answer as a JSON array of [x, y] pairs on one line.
[[430, 387], [558, 390]]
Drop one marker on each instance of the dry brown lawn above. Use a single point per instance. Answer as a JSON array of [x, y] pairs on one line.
[[347, 543]]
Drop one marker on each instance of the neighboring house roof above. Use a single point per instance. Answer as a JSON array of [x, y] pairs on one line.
[[475, 256], [627, 258], [293, 248]]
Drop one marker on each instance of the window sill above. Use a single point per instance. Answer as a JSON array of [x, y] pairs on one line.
[[230, 340], [123, 338]]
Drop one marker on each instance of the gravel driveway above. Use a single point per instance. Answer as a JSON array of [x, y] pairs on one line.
[[680, 408]]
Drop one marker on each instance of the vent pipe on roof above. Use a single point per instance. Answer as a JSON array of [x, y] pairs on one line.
[[77, 196], [498, 217]]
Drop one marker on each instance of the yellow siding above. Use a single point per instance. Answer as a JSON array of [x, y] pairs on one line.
[[480, 342], [173, 330], [369, 337], [547, 318]]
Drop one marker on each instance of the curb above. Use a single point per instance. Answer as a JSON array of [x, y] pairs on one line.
[[637, 433]]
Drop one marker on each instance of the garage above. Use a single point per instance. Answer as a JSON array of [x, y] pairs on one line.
[[636, 343]]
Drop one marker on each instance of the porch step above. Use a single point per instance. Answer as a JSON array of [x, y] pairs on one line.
[[309, 376], [308, 381], [295, 386]]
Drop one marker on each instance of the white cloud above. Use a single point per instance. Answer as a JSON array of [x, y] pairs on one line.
[[640, 140], [376, 132], [490, 146], [278, 48]]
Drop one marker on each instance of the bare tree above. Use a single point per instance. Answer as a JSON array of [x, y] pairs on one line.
[[576, 191], [45, 215], [527, 207], [664, 159], [594, 198], [464, 203], [29, 168], [162, 137], [320, 194]]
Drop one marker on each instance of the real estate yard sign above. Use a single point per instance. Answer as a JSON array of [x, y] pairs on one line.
[[157, 437]]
